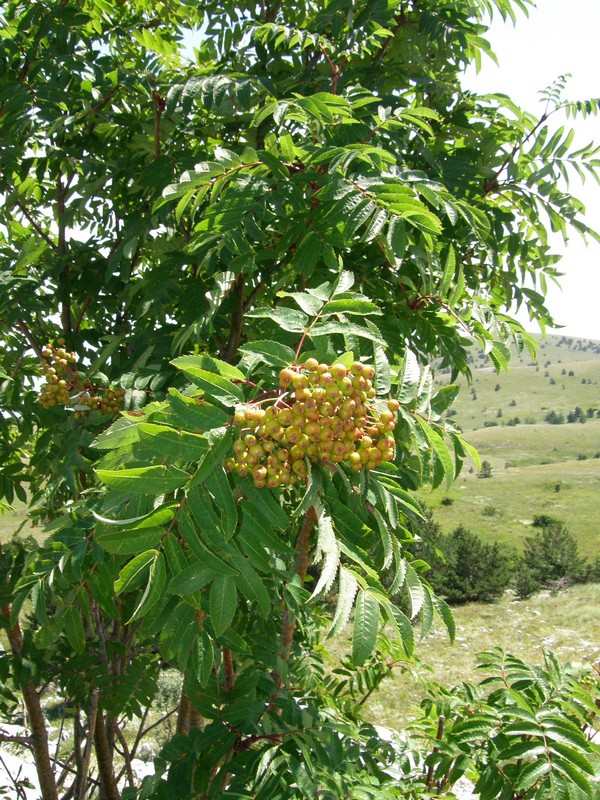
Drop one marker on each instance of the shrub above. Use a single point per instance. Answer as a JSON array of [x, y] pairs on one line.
[[525, 582], [472, 570], [486, 470], [554, 418], [552, 552]]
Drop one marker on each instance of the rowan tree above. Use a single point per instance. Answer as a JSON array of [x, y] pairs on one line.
[[195, 198]]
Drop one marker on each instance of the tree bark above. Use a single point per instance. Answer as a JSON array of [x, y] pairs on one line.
[[108, 783], [36, 719]]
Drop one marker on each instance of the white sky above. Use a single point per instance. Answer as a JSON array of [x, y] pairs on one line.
[[560, 36]]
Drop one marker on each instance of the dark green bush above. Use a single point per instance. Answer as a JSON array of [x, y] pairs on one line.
[[471, 570], [552, 553]]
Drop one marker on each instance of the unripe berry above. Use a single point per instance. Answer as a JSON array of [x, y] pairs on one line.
[[355, 460], [256, 451], [292, 435], [300, 381], [297, 451], [338, 371], [285, 417], [259, 473], [299, 468], [286, 376], [346, 386], [312, 429], [333, 392], [393, 405], [311, 364], [239, 418]]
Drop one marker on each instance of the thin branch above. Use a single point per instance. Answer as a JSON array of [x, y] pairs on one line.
[[85, 766], [84, 307], [229, 670], [288, 623], [104, 101], [45, 236], [35, 345], [400, 20], [237, 322], [159, 106], [5, 737], [127, 758]]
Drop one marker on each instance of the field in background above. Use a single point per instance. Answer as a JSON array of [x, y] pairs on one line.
[[567, 624], [537, 468]]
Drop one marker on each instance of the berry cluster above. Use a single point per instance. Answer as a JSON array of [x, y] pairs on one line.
[[57, 367], [110, 402], [65, 386], [325, 413]]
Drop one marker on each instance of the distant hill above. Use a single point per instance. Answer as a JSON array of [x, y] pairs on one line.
[[537, 467]]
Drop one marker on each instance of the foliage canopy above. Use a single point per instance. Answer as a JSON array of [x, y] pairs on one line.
[[195, 196]]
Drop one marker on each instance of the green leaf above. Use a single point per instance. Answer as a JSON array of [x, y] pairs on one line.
[[267, 504], [416, 592], [327, 552], [408, 378], [208, 363], [255, 521], [128, 542], [273, 353], [195, 413], [133, 570], [219, 487], [347, 588], [176, 445], [222, 603], [219, 447], [204, 554], [366, 625], [252, 587], [441, 450], [215, 386], [287, 318], [347, 329], [191, 579], [74, 628], [445, 613], [155, 480], [532, 774], [123, 433], [154, 588], [349, 305]]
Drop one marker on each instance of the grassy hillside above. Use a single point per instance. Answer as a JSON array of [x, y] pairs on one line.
[[537, 468], [566, 624]]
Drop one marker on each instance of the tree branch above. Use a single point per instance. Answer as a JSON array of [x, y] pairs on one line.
[[36, 720], [85, 764], [23, 327], [237, 322], [45, 236], [302, 559]]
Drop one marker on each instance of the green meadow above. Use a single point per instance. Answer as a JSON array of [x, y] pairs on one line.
[[536, 467]]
